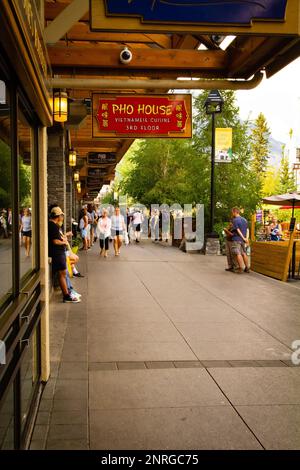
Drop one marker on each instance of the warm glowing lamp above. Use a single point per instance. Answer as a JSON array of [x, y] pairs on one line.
[[76, 176], [60, 106], [72, 157]]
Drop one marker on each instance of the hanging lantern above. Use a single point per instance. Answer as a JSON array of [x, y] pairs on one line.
[[72, 157], [78, 186], [76, 175], [60, 106]]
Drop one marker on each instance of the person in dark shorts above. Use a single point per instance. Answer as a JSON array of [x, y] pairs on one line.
[[26, 231], [57, 243], [239, 241]]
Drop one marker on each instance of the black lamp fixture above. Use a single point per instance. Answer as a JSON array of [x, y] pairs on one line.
[[213, 105]]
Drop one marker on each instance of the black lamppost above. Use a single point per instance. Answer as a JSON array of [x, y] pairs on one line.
[[213, 105]]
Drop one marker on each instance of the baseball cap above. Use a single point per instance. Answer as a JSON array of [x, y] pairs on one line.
[[56, 211]]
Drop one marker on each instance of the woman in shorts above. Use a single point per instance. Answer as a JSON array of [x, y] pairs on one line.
[[117, 230], [26, 231]]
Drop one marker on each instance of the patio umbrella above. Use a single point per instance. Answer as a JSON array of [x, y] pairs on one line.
[[288, 199]]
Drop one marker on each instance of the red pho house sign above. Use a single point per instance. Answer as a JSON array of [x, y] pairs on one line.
[[142, 116]]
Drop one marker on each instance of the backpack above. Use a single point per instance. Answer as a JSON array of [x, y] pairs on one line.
[[81, 223]]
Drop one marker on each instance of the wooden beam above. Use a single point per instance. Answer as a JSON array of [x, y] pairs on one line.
[[65, 20], [52, 10], [82, 32], [185, 41], [142, 59]]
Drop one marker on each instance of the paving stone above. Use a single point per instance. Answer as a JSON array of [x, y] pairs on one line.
[[160, 365], [70, 405], [187, 364], [152, 388], [45, 405], [245, 363], [60, 444], [259, 385], [276, 426], [40, 432], [209, 364], [102, 366], [69, 389], [69, 417], [67, 432], [38, 445], [43, 417], [131, 365], [204, 427], [271, 363], [73, 370]]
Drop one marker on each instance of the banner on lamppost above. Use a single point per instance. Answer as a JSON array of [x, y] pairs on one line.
[[223, 145]]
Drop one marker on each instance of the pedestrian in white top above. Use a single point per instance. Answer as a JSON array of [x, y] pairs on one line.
[[137, 220], [26, 231], [104, 233], [118, 228]]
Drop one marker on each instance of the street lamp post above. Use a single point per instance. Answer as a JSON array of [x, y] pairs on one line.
[[213, 105]]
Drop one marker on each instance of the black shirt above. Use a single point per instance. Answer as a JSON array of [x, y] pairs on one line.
[[54, 233]]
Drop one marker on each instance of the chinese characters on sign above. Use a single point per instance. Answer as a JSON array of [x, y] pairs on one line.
[[142, 116]]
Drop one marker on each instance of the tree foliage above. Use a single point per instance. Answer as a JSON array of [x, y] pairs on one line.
[[260, 146], [6, 179], [286, 177]]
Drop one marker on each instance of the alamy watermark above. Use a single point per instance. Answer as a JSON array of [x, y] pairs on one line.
[[296, 354], [187, 220]]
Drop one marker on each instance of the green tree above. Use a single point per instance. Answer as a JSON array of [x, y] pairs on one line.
[[286, 178], [271, 183], [260, 146]]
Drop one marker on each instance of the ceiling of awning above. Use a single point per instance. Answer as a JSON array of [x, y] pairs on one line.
[[82, 53]]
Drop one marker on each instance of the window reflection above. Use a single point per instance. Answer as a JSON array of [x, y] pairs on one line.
[[29, 376], [5, 193], [25, 195]]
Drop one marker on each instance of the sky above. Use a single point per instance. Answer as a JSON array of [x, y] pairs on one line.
[[278, 98]]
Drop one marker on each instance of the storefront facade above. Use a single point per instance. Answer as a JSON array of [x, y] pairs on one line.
[[24, 114]]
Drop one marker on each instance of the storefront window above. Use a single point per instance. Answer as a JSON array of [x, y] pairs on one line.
[[7, 421], [26, 209], [6, 257], [29, 375]]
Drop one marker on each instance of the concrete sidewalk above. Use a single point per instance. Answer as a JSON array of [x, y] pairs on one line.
[[169, 351]]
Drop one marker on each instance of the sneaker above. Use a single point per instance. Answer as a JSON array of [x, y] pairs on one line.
[[74, 293], [229, 269], [78, 275], [247, 270], [69, 298]]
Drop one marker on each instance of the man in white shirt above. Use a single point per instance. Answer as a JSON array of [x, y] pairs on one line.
[[137, 220]]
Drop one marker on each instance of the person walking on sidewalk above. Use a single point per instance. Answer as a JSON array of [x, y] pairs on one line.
[[117, 230], [240, 241], [137, 220], [104, 233]]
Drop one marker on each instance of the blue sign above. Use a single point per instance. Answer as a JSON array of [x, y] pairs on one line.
[[199, 11]]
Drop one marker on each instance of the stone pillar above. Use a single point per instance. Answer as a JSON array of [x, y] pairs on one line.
[[56, 167]]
